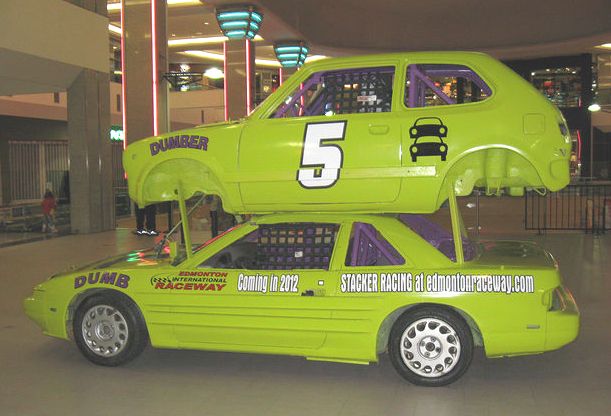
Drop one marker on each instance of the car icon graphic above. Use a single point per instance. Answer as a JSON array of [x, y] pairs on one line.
[[428, 127]]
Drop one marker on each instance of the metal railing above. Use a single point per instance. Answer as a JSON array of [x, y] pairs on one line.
[[581, 207]]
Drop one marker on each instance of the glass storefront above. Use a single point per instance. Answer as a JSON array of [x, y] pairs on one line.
[[562, 86]]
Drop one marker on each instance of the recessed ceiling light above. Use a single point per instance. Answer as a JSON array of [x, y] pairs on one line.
[[315, 58], [206, 23], [594, 107], [114, 29], [202, 40], [220, 57], [214, 73], [112, 7]]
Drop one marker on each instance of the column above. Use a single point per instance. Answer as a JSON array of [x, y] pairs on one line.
[[91, 193], [144, 60], [239, 77]]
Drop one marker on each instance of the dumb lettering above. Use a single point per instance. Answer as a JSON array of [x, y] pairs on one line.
[[183, 141], [106, 278]]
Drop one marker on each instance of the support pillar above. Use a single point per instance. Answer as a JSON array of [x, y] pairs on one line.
[[239, 78], [92, 205], [91, 194], [144, 60]]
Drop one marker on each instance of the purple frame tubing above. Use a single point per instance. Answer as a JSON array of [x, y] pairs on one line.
[[282, 111], [363, 228], [415, 97]]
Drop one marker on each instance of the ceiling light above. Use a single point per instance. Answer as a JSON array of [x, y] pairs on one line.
[[315, 58], [239, 22], [183, 2], [220, 57], [291, 54], [214, 73], [114, 29], [111, 7], [594, 107], [605, 45], [203, 40], [267, 62]]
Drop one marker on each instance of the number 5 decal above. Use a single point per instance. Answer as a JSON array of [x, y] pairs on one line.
[[321, 162]]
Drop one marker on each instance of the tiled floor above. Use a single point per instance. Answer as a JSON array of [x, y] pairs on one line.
[[44, 376]]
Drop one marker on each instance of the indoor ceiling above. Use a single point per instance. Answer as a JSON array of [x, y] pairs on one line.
[[506, 29]]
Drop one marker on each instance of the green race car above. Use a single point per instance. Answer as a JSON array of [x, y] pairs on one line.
[[333, 287], [361, 134]]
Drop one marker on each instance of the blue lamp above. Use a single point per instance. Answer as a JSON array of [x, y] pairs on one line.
[[291, 54], [239, 22]]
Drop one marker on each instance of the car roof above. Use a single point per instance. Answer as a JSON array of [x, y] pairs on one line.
[[432, 56], [301, 217]]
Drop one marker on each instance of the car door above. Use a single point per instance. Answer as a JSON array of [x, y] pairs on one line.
[[269, 292], [334, 140], [443, 104], [372, 278]]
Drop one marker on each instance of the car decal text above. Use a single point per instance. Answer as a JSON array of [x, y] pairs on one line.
[[104, 278], [262, 283], [183, 141], [435, 283]]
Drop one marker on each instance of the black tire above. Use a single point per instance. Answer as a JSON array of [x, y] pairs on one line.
[[436, 331], [117, 332]]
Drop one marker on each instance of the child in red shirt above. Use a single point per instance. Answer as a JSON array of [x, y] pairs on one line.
[[48, 210]]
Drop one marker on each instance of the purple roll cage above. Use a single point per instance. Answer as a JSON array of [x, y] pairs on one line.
[[367, 248]]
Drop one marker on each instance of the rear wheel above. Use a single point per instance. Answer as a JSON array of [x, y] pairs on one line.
[[109, 330], [431, 346]]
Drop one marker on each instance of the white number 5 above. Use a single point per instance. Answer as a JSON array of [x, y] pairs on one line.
[[321, 162]]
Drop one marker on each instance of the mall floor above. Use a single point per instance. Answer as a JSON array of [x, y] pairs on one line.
[[40, 375]]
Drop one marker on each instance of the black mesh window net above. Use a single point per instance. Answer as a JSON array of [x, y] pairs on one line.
[[358, 91], [295, 246], [364, 90]]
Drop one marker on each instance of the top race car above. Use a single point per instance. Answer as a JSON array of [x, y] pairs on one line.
[[344, 135]]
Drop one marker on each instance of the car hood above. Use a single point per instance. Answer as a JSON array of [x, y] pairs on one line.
[[132, 260], [523, 254]]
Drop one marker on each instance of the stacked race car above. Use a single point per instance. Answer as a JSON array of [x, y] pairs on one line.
[[340, 167]]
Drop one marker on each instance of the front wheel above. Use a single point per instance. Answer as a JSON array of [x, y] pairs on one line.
[[431, 346], [109, 330]]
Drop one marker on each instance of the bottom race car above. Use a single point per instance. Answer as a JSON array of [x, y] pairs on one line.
[[333, 287]]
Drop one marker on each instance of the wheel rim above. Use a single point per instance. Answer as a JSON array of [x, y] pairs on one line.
[[430, 347], [104, 330]]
